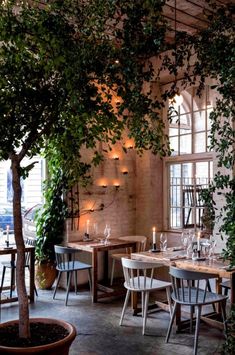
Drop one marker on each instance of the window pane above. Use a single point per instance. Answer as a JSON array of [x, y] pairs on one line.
[[186, 182], [175, 218], [185, 144], [202, 170], [199, 143], [187, 173], [185, 122], [174, 145], [208, 118], [173, 132], [199, 121], [174, 121], [199, 102]]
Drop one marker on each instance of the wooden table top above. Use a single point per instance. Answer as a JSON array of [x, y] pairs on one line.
[[177, 258], [96, 244], [13, 250]]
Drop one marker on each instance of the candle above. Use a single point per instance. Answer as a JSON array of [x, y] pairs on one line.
[[154, 235], [198, 241], [87, 226], [8, 233]]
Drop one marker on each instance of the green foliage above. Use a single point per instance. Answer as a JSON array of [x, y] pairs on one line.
[[50, 221], [229, 346]]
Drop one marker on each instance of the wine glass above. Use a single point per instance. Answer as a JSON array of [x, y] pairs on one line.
[[163, 241], [107, 232], [212, 247], [185, 239]]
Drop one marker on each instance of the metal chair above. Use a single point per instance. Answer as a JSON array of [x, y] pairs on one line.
[[140, 246], [139, 278], [66, 262], [12, 266], [191, 289]]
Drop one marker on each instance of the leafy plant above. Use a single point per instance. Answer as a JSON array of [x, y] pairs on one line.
[[60, 70]]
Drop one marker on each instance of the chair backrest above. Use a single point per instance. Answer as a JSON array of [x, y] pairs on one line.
[[189, 286], [65, 257], [31, 242], [139, 239], [136, 273]]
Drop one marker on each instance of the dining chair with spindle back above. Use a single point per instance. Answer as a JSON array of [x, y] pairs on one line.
[[139, 277], [190, 288], [140, 246]]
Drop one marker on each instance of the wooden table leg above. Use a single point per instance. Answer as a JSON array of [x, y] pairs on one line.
[[32, 276], [106, 266], [232, 278], [94, 276]]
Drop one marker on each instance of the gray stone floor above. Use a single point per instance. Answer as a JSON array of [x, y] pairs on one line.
[[98, 332]]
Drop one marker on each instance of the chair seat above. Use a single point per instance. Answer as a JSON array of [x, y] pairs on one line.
[[194, 299], [146, 284], [73, 266], [10, 264], [226, 284], [118, 256]]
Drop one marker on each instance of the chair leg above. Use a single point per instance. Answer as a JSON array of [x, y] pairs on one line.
[[12, 280], [89, 279], [191, 319], [124, 306], [57, 283], [68, 287], [3, 277], [35, 289], [146, 302], [171, 323], [223, 311], [75, 282], [209, 289], [168, 295], [197, 330], [142, 303], [112, 272]]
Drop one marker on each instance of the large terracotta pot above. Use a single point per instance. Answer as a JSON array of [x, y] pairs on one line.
[[60, 347], [45, 275]]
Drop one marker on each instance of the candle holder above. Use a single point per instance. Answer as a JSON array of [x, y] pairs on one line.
[[7, 245], [154, 249], [86, 237], [197, 255]]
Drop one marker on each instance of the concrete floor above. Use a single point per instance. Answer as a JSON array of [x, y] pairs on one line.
[[99, 333]]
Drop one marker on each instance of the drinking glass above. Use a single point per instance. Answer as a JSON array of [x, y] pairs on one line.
[[163, 241], [212, 248], [107, 232], [185, 239]]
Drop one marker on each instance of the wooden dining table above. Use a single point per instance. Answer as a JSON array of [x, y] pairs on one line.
[[12, 251], [94, 247], [177, 258]]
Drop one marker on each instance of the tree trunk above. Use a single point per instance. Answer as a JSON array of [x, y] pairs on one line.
[[24, 328]]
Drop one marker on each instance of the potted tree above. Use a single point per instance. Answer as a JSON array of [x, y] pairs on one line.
[[59, 74]]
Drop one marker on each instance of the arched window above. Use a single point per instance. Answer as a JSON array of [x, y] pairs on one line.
[[190, 168]]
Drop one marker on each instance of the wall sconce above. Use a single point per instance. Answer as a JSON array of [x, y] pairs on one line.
[[104, 186], [130, 147], [125, 172], [116, 186], [115, 157]]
